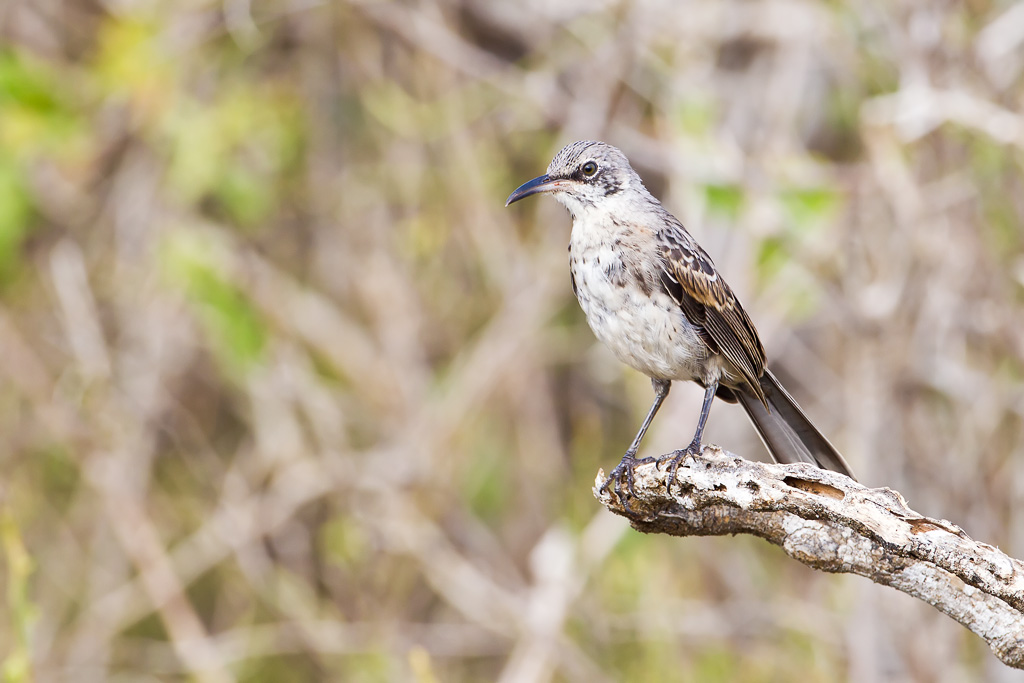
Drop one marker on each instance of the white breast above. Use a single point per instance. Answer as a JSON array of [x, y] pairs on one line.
[[646, 330]]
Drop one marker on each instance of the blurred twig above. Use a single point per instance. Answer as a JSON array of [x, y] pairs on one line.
[[829, 522]]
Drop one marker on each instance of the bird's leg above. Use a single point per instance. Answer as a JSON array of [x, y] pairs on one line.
[[625, 468], [694, 447]]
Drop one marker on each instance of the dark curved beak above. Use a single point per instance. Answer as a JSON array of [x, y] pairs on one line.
[[540, 184]]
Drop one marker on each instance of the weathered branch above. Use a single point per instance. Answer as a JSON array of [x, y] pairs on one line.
[[832, 523]]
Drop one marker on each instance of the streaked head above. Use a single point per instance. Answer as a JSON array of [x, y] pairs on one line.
[[581, 175]]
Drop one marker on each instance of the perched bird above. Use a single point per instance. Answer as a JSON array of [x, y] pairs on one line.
[[654, 297]]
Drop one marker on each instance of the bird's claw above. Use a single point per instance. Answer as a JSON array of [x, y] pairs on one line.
[[675, 458], [624, 470]]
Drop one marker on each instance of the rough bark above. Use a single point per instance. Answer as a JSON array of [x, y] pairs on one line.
[[832, 523]]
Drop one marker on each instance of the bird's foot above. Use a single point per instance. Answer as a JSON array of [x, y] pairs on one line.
[[675, 458], [624, 471]]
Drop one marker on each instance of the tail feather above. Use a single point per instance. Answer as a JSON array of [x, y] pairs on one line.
[[786, 431]]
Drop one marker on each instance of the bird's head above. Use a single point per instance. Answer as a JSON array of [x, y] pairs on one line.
[[583, 175]]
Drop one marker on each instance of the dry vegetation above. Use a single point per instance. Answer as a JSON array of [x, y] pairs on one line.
[[286, 393]]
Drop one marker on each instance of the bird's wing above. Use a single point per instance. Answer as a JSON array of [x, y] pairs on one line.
[[691, 279]]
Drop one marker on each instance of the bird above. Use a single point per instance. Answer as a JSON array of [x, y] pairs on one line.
[[654, 296]]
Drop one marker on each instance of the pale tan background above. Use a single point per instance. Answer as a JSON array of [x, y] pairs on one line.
[[287, 394]]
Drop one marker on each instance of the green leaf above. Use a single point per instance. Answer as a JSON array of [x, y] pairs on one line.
[[343, 541], [771, 256], [247, 197], [37, 115], [696, 116], [199, 153], [16, 666], [809, 208], [15, 215], [236, 330], [27, 84], [130, 59], [725, 201]]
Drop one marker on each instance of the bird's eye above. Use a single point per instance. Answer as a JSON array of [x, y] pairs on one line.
[[589, 168]]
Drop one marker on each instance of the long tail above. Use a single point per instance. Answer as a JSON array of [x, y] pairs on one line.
[[786, 431]]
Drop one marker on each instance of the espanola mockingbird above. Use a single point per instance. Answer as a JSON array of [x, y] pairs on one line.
[[653, 296]]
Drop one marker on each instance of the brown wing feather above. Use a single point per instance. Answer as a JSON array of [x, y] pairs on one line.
[[707, 301]]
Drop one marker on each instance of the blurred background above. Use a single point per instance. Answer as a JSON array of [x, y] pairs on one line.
[[287, 394]]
